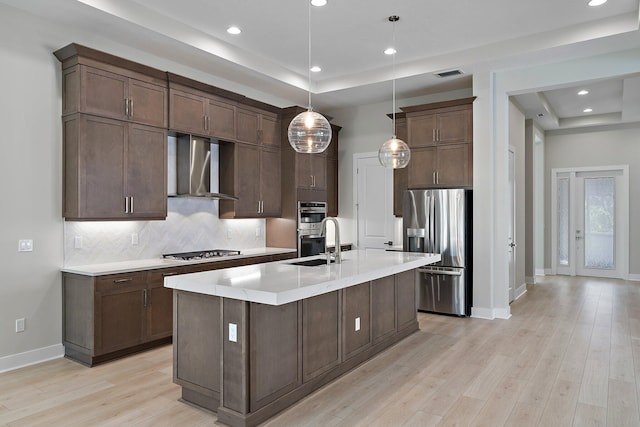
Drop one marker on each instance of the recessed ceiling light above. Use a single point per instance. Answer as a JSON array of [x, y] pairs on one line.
[[390, 51], [583, 92], [315, 69], [587, 110], [319, 3], [234, 30], [594, 3]]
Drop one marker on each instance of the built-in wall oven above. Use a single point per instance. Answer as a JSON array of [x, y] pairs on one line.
[[310, 216]]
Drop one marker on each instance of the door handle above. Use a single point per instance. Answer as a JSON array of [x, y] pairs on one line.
[[440, 272]]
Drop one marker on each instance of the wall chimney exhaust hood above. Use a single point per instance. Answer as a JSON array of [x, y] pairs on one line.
[[193, 161]]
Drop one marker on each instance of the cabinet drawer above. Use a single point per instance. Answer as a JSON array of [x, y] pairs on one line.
[[155, 278], [124, 281]]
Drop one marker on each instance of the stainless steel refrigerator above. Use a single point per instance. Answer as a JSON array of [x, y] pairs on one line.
[[440, 221]]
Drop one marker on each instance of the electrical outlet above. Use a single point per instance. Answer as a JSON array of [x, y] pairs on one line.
[[258, 231], [357, 324], [134, 239], [19, 325], [25, 245], [77, 242], [233, 332]]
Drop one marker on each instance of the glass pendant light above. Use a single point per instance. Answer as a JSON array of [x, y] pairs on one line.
[[394, 153], [309, 132]]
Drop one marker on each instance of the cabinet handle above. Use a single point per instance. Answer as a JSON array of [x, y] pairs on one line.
[[126, 204], [128, 279], [434, 177], [130, 107], [126, 107], [437, 177], [144, 294], [207, 121], [204, 122], [434, 135], [131, 204]]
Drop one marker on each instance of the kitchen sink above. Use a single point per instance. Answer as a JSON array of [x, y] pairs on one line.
[[311, 262]]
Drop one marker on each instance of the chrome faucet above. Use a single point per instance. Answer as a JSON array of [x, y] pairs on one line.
[[323, 233]]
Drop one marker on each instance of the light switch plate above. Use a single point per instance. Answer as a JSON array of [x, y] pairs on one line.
[[25, 245], [134, 239], [233, 332], [77, 242]]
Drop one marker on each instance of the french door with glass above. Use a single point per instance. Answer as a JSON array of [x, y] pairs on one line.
[[590, 221]]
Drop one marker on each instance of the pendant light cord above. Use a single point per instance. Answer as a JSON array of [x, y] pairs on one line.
[[309, 59], [394, 19]]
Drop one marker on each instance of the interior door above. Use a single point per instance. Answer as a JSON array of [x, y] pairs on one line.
[[374, 202], [590, 223]]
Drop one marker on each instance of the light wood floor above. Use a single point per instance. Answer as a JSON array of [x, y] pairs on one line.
[[569, 356]]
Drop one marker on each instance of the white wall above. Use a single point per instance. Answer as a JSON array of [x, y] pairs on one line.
[[31, 170], [600, 146]]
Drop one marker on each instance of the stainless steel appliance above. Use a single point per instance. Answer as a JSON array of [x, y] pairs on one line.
[[210, 253], [310, 238], [440, 221]]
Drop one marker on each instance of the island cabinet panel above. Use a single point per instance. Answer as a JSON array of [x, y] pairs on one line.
[[235, 355], [320, 334], [383, 308], [275, 337], [197, 353], [356, 335], [278, 354], [406, 297]]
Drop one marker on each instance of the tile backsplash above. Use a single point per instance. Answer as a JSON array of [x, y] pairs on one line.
[[192, 224]]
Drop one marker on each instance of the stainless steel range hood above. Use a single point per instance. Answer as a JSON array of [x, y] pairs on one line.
[[193, 159]]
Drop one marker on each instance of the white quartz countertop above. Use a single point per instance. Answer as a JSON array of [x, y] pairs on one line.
[[153, 263], [281, 282]]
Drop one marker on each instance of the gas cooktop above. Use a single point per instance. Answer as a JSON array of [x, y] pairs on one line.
[[211, 253]]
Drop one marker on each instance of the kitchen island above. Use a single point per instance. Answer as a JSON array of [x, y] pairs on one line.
[[251, 341]]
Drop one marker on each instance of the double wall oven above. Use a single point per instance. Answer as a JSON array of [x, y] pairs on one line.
[[310, 216]]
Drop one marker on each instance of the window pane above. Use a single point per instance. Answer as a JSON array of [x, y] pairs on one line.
[[563, 221], [599, 222]]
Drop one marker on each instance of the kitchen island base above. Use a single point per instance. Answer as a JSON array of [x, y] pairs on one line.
[[247, 361]]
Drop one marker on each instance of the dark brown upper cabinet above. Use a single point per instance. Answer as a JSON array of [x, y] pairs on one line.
[[114, 137], [440, 136]]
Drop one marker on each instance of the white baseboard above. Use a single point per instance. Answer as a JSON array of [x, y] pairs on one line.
[[540, 272], [521, 290], [490, 314], [530, 279], [31, 357], [634, 277]]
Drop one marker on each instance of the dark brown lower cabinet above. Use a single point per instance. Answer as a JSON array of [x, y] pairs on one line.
[[110, 316], [280, 354]]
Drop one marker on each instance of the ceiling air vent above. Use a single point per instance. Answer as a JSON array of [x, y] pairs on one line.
[[449, 73]]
